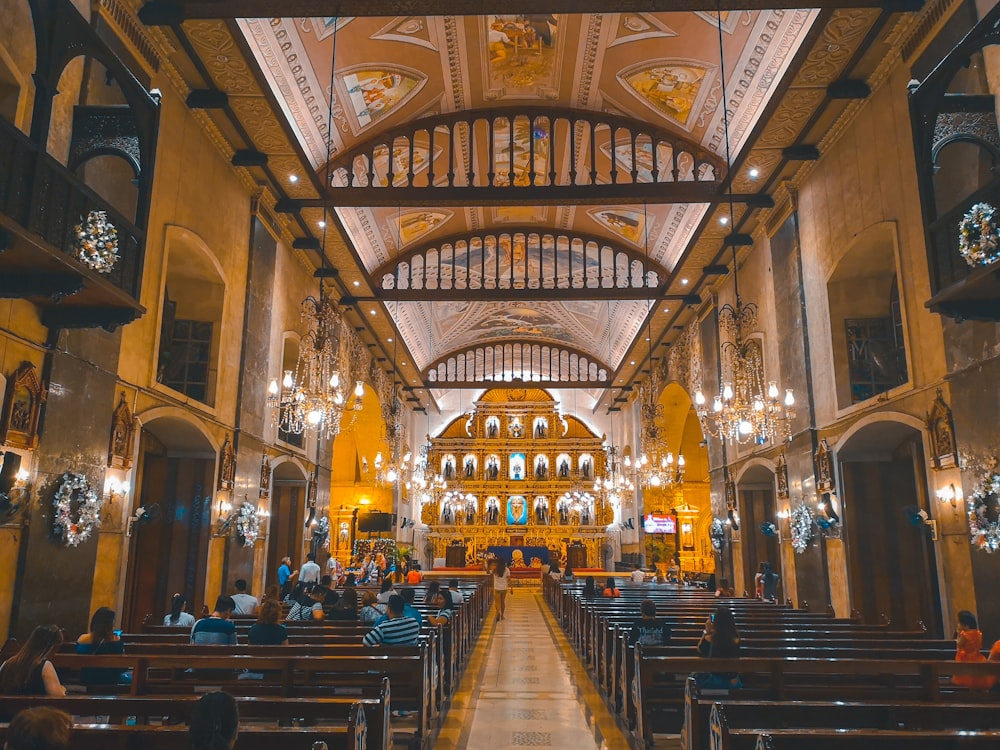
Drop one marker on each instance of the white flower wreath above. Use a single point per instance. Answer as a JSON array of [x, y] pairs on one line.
[[984, 531], [248, 524], [978, 241], [801, 527], [97, 242], [76, 488]]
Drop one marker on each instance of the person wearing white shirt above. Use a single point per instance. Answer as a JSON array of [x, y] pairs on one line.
[[310, 572], [246, 604], [637, 575], [386, 591], [334, 569]]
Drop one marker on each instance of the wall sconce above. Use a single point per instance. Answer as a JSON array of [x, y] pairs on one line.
[[115, 487], [949, 494], [224, 508], [14, 494]]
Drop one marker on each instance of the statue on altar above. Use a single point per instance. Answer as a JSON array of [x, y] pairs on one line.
[[492, 512], [542, 511]]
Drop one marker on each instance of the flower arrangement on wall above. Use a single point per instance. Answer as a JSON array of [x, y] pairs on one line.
[[76, 524], [800, 525], [248, 524], [97, 242], [984, 513], [978, 241]]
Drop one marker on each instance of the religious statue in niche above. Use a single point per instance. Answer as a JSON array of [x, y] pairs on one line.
[[731, 501], [781, 476], [941, 428], [492, 427], [541, 511], [824, 467], [541, 428], [122, 436], [514, 428], [586, 467], [492, 511], [470, 512], [21, 408], [265, 476], [449, 467], [469, 468], [492, 468], [564, 468], [541, 468], [227, 466], [517, 466]]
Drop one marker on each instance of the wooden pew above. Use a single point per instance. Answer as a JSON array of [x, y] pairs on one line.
[[282, 712], [659, 696], [174, 737], [319, 676], [764, 716], [868, 739]]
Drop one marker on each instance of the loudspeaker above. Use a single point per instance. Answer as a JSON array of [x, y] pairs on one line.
[[376, 521], [8, 471]]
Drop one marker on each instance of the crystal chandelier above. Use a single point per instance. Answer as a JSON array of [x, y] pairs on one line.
[[312, 397], [655, 467], [744, 410]]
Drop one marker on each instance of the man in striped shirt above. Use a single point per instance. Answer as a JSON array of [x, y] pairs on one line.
[[398, 630]]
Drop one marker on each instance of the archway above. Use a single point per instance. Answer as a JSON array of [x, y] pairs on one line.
[[755, 487], [168, 549], [890, 553], [288, 503]]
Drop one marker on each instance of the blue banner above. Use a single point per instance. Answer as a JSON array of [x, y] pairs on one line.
[[521, 557]]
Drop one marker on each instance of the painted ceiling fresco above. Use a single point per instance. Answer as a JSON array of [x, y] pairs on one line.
[[659, 68]]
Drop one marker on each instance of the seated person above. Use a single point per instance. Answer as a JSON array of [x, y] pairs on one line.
[[397, 630], [649, 630], [310, 607], [408, 609], [610, 590], [267, 631], [102, 639], [29, 671], [214, 723], [216, 629], [347, 608], [720, 640], [638, 576], [969, 642], [445, 609], [246, 604], [40, 728], [371, 609], [332, 597], [178, 616], [385, 591]]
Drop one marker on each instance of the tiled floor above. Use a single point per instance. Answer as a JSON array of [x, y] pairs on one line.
[[524, 687]]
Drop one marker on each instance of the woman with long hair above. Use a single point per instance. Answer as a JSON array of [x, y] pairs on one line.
[[589, 588], [178, 616], [610, 589], [101, 639], [214, 723], [501, 578], [721, 640], [267, 631], [346, 608], [445, 607], [431, 591], [29, 671], [371, 608]]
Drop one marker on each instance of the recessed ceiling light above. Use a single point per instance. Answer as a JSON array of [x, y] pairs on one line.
[[647, 338], [666, 310], [632, 362], [293, 178], [374, 312], [389, 340], [322, 224], [403, 364], [684, 282], [723, 220], [754, 173], [357, 283]]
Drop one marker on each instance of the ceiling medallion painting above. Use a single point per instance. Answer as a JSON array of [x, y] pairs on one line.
[[414, 225], [523, 56], [323, 27], [672, 88], [635, 26], [375, 92], [409, 30], [626, 223]]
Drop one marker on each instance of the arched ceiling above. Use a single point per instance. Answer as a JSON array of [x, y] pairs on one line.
[[662, 68], [659, 71]]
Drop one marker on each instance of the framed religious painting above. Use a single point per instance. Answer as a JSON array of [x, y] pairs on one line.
[[22, 406], [122, 436]]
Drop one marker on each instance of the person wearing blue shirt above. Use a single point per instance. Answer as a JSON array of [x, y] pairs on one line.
[[408, 609], [285, 574]]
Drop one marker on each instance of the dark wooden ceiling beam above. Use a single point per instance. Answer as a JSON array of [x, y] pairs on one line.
[[549, 195], [519, 295], [168, 12]]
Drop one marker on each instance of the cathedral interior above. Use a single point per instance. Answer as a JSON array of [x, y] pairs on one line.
[[713, 283]]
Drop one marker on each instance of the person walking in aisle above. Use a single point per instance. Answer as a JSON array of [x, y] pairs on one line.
[[501, 578]]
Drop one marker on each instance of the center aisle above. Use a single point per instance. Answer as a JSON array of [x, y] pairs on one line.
[[524, 687]]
